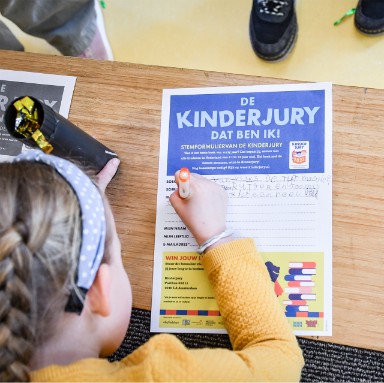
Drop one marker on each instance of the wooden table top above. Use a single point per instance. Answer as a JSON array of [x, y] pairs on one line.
[[120, 105]]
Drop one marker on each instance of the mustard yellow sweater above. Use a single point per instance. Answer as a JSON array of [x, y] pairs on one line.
[[264, 347]]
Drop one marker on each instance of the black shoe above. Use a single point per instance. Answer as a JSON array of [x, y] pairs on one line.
[[369, 16], [273, 28]]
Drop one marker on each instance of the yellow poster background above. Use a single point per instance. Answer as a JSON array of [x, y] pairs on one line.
[[187, 299]]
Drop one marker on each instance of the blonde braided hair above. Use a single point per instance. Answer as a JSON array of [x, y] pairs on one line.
[[40, 229]]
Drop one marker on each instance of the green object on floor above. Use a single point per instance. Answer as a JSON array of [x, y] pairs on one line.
[[348, 13], [102, 3]]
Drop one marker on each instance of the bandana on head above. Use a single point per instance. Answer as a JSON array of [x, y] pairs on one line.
[[92, 215]]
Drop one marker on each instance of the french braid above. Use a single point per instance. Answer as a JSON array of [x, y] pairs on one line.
[[39, 241]]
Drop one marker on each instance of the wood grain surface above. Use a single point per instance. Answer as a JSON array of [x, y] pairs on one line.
[[120, 105]]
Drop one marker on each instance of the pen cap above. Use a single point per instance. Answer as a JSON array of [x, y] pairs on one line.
[[67, 139]]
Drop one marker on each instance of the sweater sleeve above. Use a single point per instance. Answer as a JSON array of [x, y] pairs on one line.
[[258, 329], [264, 347]]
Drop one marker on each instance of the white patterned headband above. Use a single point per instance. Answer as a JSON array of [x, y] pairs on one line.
[[93, 220]]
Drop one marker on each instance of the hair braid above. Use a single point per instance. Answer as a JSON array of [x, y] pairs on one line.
[[15, 302], [39, 242]]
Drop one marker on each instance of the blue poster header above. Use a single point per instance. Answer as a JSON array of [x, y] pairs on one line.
[[247, 133]]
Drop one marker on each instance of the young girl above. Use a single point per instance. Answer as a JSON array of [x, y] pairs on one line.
[[61, 281]]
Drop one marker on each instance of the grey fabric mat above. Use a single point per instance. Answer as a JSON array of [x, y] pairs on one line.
[[324, 362]]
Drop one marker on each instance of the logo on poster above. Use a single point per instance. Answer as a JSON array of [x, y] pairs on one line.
[[299, 155], [311, 323]]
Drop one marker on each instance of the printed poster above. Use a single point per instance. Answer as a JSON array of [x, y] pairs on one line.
[[270, 147], [54, 90]]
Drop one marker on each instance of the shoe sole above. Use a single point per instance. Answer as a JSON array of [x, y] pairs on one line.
[[279, 57], [369, 32]]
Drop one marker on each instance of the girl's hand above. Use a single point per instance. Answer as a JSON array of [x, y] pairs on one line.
[[204, 212]]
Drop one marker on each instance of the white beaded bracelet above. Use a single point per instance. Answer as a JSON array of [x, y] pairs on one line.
[[213, 240]]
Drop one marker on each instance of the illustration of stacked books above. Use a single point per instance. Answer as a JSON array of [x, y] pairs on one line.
[[301, 290]]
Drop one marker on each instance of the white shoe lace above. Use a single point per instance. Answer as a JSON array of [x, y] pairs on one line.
[[272, 7]]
